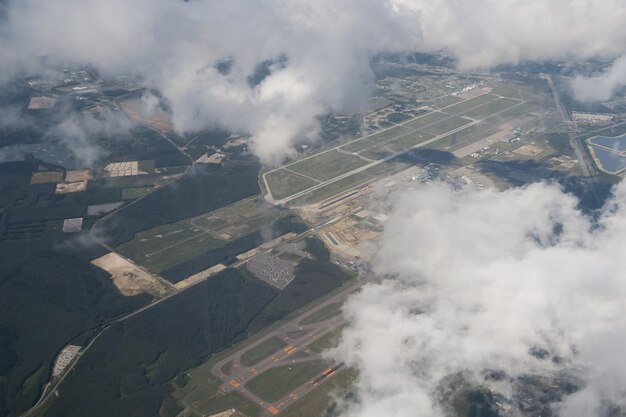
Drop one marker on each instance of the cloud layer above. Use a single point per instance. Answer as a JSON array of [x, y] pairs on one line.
[[480, 279], [324, 47], [602, 86]]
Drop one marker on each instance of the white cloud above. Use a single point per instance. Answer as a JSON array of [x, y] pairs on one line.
[[480, 278], [327, 45], [77, 132], [602, 86]]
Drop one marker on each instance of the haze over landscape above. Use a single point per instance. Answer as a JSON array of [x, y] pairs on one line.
[[312, 208]]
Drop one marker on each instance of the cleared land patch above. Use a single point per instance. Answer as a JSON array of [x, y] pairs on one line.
[[46, 177], [327, 165], [77, 176], [199, 276], [129, 279], [262, 351], [529, 150]]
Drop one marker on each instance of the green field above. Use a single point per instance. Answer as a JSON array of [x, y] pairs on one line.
[[374, 138], [218, 403], [165, 246], [444, 102], [327, 165], [135, 192], [331, 310], [447, 125], [491, 108], [409, 141], [387, 168], [378, 152], [261, 351], [329, 340], [284, 183], [316, 402], [332, 189], [463, 137], [521, 110], [468, 104], [275, 383], [426, 120]]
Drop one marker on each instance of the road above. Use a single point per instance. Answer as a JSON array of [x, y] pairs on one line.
[[585, 164]]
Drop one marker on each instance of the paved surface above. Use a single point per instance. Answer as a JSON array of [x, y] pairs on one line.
[[297, 338]]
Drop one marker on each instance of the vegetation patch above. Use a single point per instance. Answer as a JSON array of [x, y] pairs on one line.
[[261, 351], [275, 383], [325, 313]]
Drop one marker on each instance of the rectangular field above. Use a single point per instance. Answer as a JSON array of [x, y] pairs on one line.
[[447, 125], [261, 351], [379, 137], [327, 165], [325, 313], [165, 246], [378, 152], [275, 383], [463, 137], [331, 189], [426, 120], [409, 141], [492, 107], [468, 104], [283, 183], [445, 102]]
